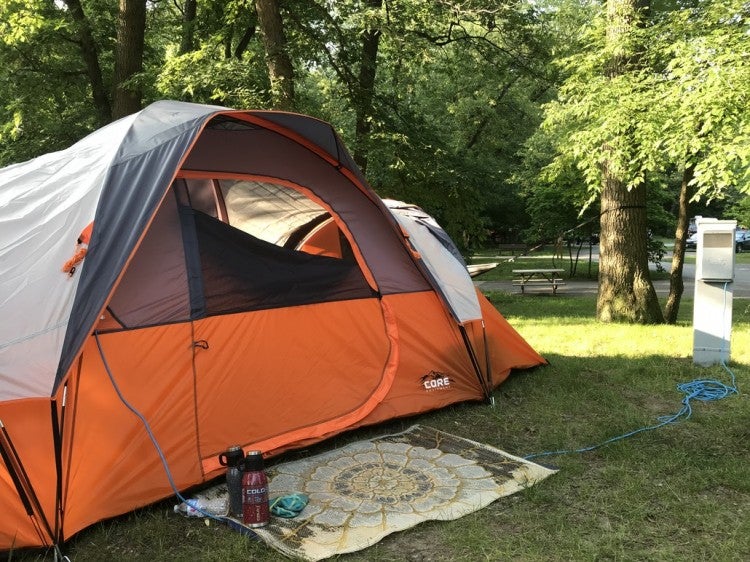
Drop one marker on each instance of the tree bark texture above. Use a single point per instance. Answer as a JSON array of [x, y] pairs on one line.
[[244, 41], [676, 283], [131, 31], [366, 89], [90, 55], [626, 293], [280, 70], [187, 41]]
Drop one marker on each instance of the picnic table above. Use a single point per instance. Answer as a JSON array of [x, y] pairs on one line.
[[538, 277]]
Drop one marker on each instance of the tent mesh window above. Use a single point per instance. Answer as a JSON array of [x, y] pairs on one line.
[[225, 246], [242, 272], [264, 246]]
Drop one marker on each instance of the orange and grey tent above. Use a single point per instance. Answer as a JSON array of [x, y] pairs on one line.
[[192, 277]]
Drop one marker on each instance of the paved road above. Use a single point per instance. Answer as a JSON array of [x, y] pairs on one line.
[[740, 286]]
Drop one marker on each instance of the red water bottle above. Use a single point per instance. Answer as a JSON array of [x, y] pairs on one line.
[[254, 491]]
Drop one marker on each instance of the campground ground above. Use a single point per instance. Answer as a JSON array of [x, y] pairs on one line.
[[581, 284], [680, 492]]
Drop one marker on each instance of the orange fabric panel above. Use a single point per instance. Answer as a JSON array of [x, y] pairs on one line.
[[270, 378], [278, 378], [508, 350], [113, 466], [430, 341], [305, 435], [323, 241], [28, 422], [431, 350]]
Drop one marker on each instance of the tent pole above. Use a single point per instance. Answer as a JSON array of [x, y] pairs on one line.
[[23, 485], [488, 364], [475, 364], [57, 424], [68, 419]]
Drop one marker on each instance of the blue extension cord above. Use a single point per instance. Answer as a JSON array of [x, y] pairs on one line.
[[703, 390], [151, 435]]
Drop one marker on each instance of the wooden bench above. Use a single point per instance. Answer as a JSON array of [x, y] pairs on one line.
[[538, 277]]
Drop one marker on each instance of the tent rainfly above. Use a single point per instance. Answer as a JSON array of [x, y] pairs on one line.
[[192, 277]]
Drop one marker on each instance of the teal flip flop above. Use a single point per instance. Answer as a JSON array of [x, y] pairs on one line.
[[288, 506]]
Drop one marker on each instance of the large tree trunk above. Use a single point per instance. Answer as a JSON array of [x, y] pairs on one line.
[[131, 31], [189, 12], [280, 70], [676, 283], [91, 59], [625, 289], [366, 89], [244, 41], [626, 292]]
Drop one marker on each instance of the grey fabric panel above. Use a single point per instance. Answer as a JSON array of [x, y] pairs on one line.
[[265, 153], [416, 214], [438, 232], [136, 183], [160, 124], [318, 132], [202, 195], [154, 288], [449, 275]]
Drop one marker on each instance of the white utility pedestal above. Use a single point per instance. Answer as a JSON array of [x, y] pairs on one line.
[[714, 273]]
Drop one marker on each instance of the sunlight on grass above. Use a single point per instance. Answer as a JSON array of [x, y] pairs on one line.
[[579, 339], [569, 329], [680, 492]]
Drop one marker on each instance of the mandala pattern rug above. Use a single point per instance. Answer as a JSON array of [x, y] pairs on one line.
[[366, 490]]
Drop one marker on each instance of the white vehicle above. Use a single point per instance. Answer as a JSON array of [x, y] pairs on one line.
[[692, 242]]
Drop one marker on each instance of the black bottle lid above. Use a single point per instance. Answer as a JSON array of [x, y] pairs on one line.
[[232, 456], [253, 461]]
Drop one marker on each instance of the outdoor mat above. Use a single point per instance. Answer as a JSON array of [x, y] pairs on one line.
[[366, 490]]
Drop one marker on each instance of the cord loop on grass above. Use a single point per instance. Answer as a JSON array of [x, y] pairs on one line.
[[704, 390]]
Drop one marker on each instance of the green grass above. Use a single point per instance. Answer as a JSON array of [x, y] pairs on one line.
[[538, 259], [681, 492], [542, 258]]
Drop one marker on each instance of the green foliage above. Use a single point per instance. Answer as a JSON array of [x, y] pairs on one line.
[[656, 250], [596, 110], [740, 211], [204, 76], [43, 91], [703, 85], [448, 138], [556, 201], [21, 22], [686, 104], [459, 88]]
